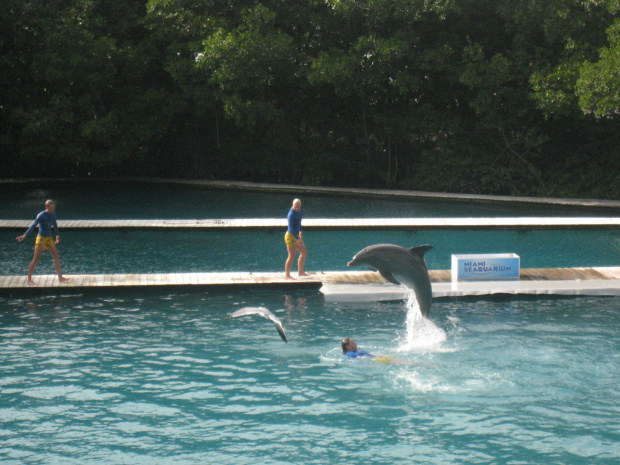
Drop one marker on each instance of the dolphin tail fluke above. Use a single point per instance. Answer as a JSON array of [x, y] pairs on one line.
[[281, 332]]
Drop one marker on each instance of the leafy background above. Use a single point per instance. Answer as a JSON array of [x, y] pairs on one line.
[[484, 96]]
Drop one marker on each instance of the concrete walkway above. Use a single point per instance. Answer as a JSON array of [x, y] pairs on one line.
[[505, 223]]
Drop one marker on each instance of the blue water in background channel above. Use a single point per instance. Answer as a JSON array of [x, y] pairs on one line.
[[144, 200], [150, 377], [93, 252]]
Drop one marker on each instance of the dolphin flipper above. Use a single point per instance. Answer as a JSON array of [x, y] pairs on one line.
[[400, 265], [388, 276]]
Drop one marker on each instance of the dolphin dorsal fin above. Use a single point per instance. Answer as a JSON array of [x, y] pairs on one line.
[[420, 250]]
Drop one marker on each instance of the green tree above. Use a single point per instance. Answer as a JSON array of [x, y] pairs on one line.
[[598, 84], [92, 103], [254, 67], [490, 96]]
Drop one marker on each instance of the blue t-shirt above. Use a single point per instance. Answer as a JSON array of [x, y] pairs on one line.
[[294, 222], [45, 221], [358, 353]]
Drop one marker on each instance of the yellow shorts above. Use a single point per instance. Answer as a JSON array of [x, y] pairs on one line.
[[290, 240], [45, 241]]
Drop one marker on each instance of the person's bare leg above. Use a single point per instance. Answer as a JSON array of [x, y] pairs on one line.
[[303, 253], [289, 262], [38, 252], [56, 258]]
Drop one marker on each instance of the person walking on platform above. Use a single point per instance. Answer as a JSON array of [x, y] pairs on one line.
[[46, 221], [294, 241]]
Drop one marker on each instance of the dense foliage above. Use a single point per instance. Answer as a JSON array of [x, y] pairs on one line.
[[488, 96]]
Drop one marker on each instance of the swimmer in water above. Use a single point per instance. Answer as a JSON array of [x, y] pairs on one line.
[[349, 349]]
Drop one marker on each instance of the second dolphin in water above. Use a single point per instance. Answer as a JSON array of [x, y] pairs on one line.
[[265, 313], [400, 265]]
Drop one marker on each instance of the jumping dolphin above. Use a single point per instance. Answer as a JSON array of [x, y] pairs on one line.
[[262, 311], [400, 265]]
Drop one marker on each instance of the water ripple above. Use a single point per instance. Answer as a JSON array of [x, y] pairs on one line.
[[537, 380]]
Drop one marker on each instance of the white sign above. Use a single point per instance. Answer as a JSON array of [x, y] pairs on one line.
[[485, 266]]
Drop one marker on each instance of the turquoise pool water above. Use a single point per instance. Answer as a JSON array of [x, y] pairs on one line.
[[158, 379], [87, 252], [92, 252]]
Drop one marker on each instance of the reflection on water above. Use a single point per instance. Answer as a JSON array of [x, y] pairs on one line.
[[168, 378]]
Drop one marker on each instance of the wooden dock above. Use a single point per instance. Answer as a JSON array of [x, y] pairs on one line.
[[576, 281], [487, 223]]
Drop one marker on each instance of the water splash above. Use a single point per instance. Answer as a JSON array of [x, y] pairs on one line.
[[421, 333]]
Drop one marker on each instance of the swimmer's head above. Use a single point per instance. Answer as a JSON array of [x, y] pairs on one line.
[[348, 345]]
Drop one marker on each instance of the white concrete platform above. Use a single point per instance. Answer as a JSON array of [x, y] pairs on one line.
[[386, 292], [501, 223]]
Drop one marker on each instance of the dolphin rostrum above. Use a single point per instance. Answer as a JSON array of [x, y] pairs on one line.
[[400, 265], [262, 311]]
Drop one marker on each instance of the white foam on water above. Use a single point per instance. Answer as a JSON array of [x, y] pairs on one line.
[[421, 333], [421, 336]]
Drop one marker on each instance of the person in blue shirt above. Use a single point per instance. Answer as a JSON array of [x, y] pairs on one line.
[[294, 242], [349, 349], [46, 221]]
